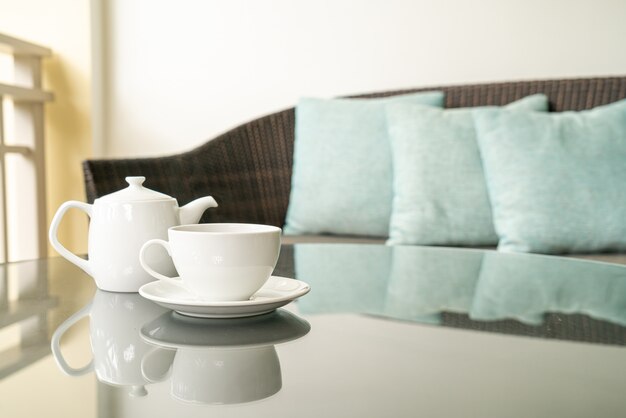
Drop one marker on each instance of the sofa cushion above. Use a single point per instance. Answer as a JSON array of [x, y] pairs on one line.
[[341, 181], [615, 258], [557, 182], [440, 196]]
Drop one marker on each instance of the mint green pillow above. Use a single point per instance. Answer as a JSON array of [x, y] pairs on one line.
[[341, 180], [440, 196], [557, 181]]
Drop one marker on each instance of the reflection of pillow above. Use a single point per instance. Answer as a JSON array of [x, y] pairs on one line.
[[525, 287], [557, 182], [425, 282], [440, 196], [343, 278], [341, 180]]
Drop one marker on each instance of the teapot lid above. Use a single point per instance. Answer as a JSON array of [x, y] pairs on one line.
[[134, 192]]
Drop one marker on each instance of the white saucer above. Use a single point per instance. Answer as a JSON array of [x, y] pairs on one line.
[[276, 292]]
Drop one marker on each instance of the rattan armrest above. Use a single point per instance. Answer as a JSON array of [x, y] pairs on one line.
[[247, 170]]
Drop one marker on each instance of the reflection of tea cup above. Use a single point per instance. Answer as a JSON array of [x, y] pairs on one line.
[[225, 375], [217, 361], [220, 262], [117, 347]]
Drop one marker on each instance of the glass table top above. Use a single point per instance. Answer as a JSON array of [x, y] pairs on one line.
[[385, 331]]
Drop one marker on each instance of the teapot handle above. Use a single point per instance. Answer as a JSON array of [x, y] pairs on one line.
[[56, 349], [54, 226]]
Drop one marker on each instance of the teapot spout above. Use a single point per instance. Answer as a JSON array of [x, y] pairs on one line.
[[192, 211]]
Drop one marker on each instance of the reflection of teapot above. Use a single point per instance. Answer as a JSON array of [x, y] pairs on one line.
[[121, 223], [117, 347], [217, 361]]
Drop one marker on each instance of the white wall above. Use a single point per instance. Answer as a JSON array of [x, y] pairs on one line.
[[178, 72]]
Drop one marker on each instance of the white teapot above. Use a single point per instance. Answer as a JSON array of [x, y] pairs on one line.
[[121, 223]]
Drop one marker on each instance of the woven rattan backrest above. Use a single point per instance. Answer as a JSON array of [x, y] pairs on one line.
[[248, 169]]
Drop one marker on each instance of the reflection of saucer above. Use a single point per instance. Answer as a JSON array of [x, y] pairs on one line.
[[172, 330], [276, 292]]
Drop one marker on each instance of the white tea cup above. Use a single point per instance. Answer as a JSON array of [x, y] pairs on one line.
[[219, 262]]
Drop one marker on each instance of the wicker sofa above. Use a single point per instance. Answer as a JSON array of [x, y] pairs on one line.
[[248, 169]]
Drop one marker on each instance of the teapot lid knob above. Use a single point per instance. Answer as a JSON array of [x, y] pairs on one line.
[[136, 181], [135, 192]]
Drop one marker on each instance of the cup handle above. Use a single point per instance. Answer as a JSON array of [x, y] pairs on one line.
[[54, 227], [156, 365], [148, 269], [56, 349]]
